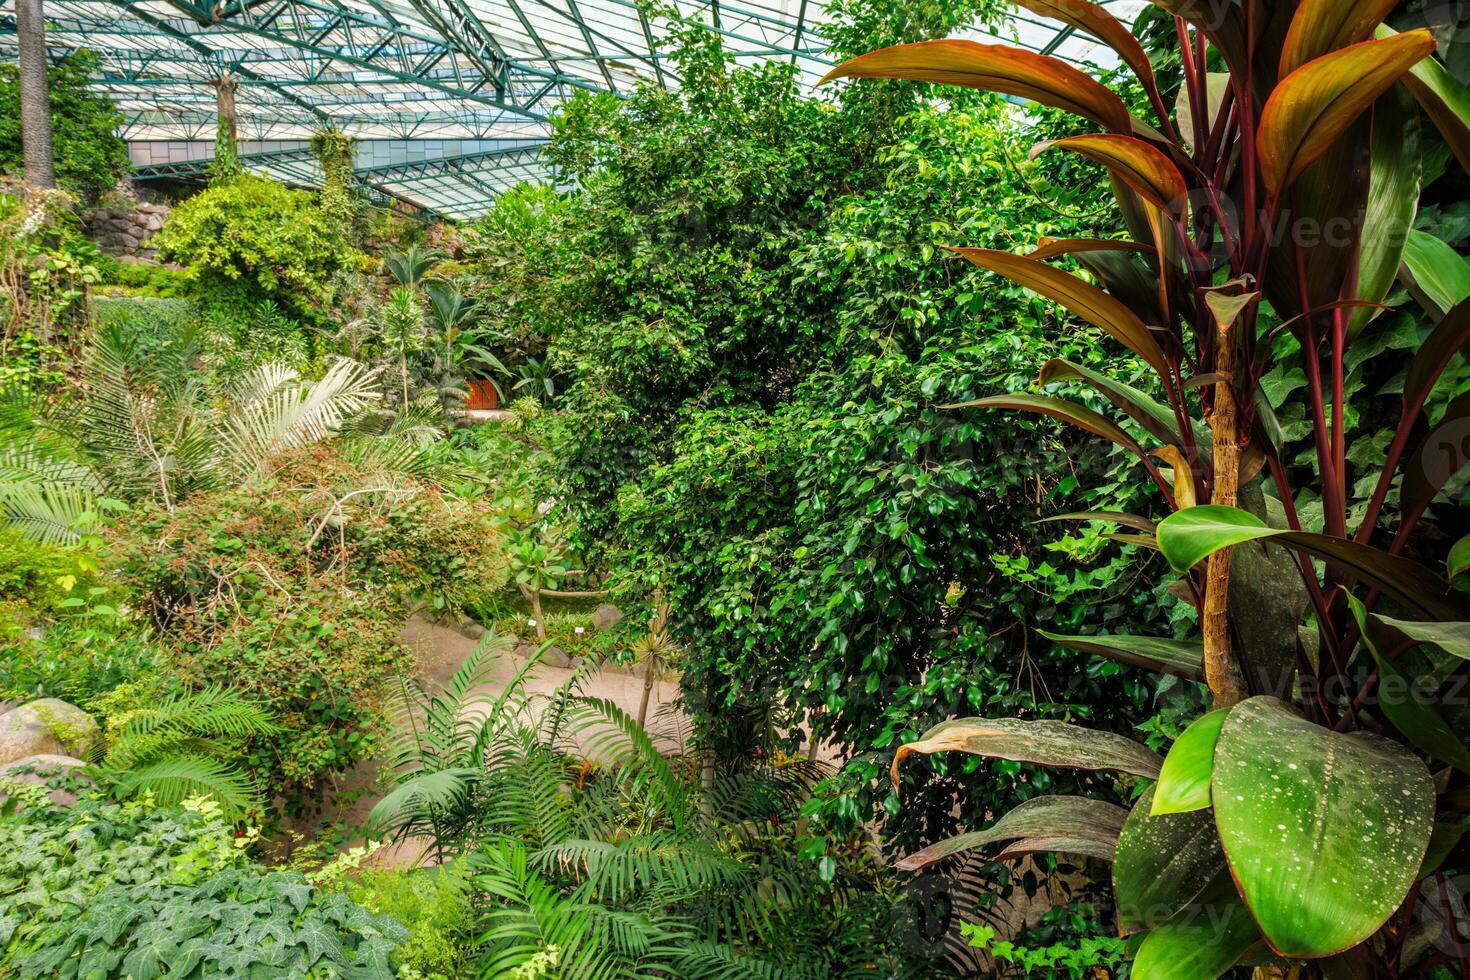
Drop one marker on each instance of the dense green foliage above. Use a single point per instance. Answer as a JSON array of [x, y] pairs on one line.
[[90, 156], [108, 890], [248, 239], [752, 334]]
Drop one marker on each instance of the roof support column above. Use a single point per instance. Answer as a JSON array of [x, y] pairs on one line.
[[35, 99]]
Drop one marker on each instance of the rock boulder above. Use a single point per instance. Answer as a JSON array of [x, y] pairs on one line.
[[46, 727]]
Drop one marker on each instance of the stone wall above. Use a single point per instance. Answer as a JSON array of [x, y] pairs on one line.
[[124, 230]]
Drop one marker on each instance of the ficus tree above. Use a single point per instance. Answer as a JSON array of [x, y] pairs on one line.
[[1267, 210]]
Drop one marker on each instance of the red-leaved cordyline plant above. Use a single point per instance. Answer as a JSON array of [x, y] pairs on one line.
[[1274, 202]]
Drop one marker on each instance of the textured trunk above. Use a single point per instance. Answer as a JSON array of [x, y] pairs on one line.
[[226, 133], [647, 692], [1221, 672], [224, 102], [35, 100]]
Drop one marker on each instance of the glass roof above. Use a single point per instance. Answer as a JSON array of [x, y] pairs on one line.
[[442, 71]]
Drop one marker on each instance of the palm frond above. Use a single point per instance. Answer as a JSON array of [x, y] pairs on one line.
[[290, 414], [411, 804], [48, 513]]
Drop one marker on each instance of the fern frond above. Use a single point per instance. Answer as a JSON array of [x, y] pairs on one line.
[[175, 779]]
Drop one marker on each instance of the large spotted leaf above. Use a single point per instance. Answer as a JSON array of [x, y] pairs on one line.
[[1162, 864], [1323, 831], [1202, 942], [1045, 743]]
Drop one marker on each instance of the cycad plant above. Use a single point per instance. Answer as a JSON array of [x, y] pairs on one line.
[[409, 266], [187, 745], [1267, 219], [149, 425]]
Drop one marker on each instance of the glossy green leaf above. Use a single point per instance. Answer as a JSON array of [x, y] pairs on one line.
[[1406, 703], [1190, 535], [1320, 26], [1458, 561], [1045, 743], [1182, 658], [1451, 637], [1162, 863], [1314, 105], [1184, 782], [1070, 412], [1086, 826], [1309, 816], [1439, 276], [1202, 942], [1098, 308], [1393, 200], [994, 68]]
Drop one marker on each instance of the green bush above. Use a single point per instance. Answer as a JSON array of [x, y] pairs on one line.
[[249, 239], [107, 890], [282, 595], [434, 905], [142, 279], [90, 157], [38, 580], [78, 659]]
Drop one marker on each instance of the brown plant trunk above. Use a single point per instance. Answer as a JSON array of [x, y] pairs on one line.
[[35, 99], [647, 692], [224, 102], [1222, 674], [536, 611]]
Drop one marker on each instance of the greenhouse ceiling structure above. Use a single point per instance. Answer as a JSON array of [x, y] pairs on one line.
[[449, 98]]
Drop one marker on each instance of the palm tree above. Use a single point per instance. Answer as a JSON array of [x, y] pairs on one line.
[[458, 345], [655, 650], [409, 267], [35, 100]]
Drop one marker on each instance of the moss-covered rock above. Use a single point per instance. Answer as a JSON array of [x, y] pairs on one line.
[[46, 727]]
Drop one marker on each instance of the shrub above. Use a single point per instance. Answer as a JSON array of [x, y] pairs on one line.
[[434, 905], [142, 279], [251, 238], [107, 890], [36, 580], [294, 593], [90, 157]]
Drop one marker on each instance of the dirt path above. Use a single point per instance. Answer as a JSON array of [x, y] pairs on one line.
[[441, 652]]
